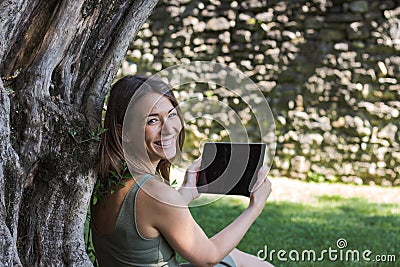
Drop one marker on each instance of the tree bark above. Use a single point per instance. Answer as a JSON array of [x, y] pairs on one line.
[[57, 60]]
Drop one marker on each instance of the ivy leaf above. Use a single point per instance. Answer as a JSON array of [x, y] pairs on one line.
[[127, 176], [114, 174]]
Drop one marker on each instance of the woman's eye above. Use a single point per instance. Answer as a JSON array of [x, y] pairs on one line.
[[152, 121], [172, 114]]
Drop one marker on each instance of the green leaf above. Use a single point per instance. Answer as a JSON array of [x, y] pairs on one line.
[[95, 200], [114, 174]]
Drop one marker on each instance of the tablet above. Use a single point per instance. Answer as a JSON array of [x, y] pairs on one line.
[[230, 168]]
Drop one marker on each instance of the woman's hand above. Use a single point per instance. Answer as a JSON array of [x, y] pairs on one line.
[[260, 192], [188, 189]]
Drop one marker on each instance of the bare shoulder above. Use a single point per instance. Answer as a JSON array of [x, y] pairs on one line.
[[161, 194]]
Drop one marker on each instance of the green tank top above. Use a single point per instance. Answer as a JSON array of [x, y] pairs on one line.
[[126, 246]]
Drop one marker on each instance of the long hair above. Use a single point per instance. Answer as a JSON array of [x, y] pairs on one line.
[[111, 150]]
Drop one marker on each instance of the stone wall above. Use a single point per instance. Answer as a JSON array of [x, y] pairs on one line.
[[329, 69]]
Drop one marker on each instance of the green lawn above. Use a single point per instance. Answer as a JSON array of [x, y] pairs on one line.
[[295, 226]]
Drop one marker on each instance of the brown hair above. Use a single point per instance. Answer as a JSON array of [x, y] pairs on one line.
[[110, 150]]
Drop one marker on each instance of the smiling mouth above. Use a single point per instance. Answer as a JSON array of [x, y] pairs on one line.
[[165, 143]]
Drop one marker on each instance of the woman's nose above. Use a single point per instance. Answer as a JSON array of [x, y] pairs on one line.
[[167, 127]]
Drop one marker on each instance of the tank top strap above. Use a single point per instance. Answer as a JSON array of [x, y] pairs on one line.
[[128, 206], [143, 179]]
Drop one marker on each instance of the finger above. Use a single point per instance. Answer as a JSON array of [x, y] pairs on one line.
[[195, 166], [197, 163], [268, 182], [262, 172], [261, 175], [255, 187]]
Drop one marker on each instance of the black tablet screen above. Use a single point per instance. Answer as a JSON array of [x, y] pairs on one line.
[[230, 168]]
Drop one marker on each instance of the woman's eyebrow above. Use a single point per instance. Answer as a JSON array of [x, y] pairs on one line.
[[156, 114]]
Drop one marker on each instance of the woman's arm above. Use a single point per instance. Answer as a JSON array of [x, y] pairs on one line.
[[173, 220], [258, 197]]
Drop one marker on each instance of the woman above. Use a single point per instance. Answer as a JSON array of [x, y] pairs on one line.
[[141, 220]]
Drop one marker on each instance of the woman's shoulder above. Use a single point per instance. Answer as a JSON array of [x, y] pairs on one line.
[[162, 193]]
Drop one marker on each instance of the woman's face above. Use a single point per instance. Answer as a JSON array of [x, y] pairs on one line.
[[161, 126]]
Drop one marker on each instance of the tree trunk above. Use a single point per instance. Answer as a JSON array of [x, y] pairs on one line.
[[57, 60]]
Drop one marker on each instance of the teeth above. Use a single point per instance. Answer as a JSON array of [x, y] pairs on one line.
[[165, 142]]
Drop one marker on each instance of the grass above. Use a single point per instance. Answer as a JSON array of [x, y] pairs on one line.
[[296, 226], [314, 226]]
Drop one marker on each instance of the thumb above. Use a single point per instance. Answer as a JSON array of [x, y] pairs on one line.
[[195, 165]]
